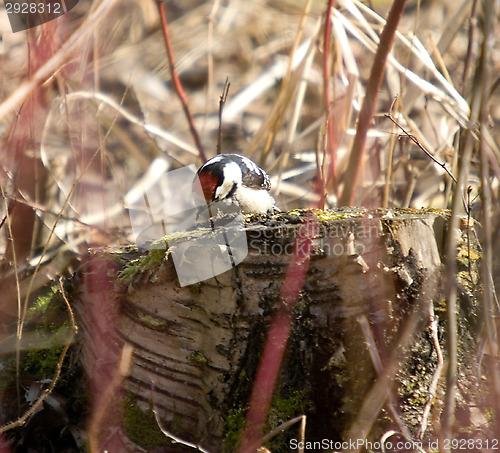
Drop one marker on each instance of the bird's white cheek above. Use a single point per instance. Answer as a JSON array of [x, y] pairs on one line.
[[223, 190], [231, 176]]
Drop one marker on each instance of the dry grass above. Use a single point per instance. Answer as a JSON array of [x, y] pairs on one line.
[[87, 104]]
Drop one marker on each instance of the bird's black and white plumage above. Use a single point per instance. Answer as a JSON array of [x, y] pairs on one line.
[[232, 178]]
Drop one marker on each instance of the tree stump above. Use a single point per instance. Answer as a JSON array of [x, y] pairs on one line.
[[372, 284]]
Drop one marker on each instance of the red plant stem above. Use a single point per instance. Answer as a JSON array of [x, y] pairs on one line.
[[326, 82], [370, 101], [277, 337], [177, 83]]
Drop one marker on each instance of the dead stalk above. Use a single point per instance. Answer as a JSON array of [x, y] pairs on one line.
[[331, 180]]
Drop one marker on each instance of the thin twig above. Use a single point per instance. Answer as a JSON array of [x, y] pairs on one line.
[[173, 438], [422, 147], [286, 425], [388, 175], [370, 101], [222, 102], [177, 83]]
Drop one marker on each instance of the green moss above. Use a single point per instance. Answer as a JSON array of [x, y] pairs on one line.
[[326, 215], [43, 302], [198, 358], [288, 407], [150, 260], [233, 429], [297, 212], [441, 307], [283, 408], [141, 427], [45, 338], [153, 322], [437, 211], [49, 312], [155, 255], [41, 363]]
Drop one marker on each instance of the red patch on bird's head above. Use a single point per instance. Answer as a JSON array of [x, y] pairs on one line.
[[208, 183]]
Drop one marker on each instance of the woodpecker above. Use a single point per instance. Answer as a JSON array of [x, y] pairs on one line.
[[234, 179]]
